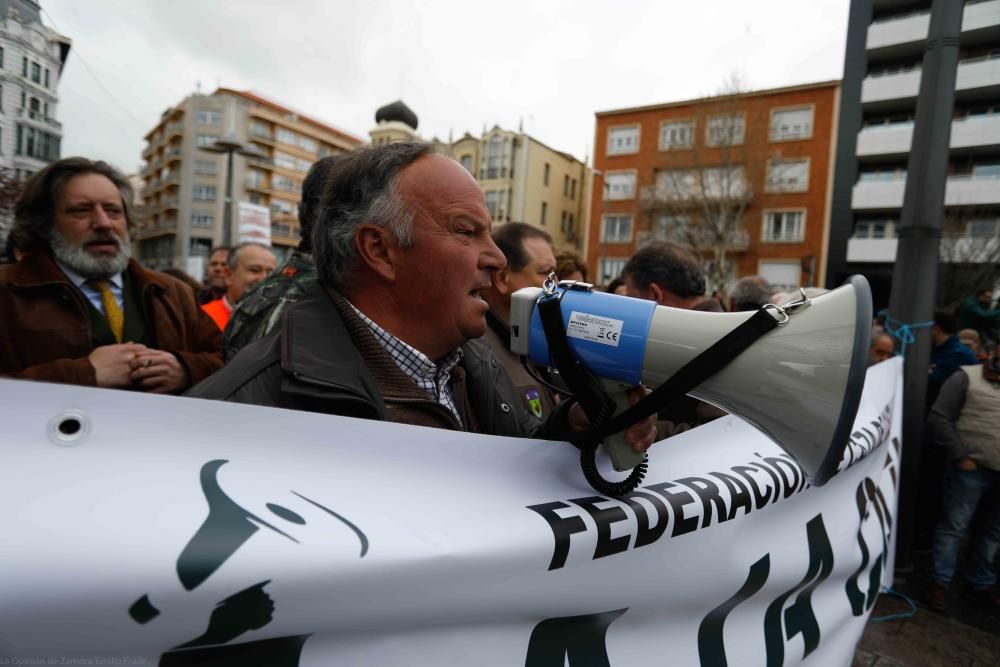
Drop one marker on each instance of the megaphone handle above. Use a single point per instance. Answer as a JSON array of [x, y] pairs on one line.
[[622, 456]]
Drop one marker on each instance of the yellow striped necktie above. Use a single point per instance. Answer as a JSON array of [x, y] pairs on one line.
[[116, 318]]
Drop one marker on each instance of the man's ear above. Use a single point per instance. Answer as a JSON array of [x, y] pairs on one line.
[[376, 251], [500, 281], [656, 292]]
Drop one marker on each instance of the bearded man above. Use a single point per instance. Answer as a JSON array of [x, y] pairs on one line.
[[78, 310]]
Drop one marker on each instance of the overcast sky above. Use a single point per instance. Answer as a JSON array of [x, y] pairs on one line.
[[458, 65]]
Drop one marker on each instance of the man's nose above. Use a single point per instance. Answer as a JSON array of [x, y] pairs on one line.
[[493, 258], [100, 219]]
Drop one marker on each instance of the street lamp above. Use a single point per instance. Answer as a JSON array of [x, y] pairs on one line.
[[229, 145]]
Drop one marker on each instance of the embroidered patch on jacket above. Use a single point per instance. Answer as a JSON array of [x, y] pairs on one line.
[[534, 400]]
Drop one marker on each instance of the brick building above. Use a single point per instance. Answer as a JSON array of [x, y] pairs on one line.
[[748, 172]]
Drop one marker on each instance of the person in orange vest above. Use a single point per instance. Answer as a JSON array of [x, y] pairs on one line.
[[248, 264]]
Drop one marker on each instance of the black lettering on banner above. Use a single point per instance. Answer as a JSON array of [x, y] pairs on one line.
[[759, 499], [869, 494], [677, 499], [606, 545], [562, 529], [790, 485], [773, 476], [573, 641], [738, 493], [644, 533], [800, 617], [711, 643], [709, 494]]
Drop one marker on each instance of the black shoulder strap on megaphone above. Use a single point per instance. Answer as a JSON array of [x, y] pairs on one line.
[[594, 400]]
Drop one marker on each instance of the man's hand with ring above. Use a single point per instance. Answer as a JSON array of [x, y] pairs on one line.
[[158, 372]]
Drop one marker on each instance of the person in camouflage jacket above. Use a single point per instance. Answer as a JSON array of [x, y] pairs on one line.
[[260, 311]]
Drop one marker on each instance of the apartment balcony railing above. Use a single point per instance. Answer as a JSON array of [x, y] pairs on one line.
[[973, 132], [959, 191], [962, 248]]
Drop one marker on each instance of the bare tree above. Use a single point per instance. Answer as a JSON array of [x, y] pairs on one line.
[[970, 255], [10, 192], [704, 182]]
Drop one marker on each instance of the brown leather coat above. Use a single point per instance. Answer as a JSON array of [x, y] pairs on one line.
[[44, 333]]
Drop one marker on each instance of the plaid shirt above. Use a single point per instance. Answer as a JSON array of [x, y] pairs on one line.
[[432, 378]]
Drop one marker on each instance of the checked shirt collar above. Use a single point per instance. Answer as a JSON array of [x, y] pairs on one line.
[[432, 378]]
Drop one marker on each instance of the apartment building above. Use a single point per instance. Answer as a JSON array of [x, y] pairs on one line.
[[185, 185], [882, 70], [524, 180], [743, 178]]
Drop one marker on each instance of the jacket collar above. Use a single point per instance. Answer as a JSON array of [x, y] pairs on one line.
[[37, 268]]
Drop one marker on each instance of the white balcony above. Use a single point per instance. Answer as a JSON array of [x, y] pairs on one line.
[[913, 28], [979, 15], [978, 132], [953, 248], [890, 87], [972, 75], [903, 30], [871, 250], [959, 191]]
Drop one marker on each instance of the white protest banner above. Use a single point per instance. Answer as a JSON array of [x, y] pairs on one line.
[[254, 223], [140, 530]]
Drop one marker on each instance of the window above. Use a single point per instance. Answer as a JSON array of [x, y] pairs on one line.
[[610, 268], [616, 228], [255, 178], [34, 108], [783, 226], [545, 176], [984, 228], [619, 185], [308, 144], [280, 182], [1, 57], [202, 220], [710, 183], [986, 170], [493, 202], [200, 247], [46, 77], [36, 72], [208, 117], [203, 193], [260, 129], [35, 143], [875, 229], [791, 124], [572, 189], [494, 158], [565, 186], [205, 139], [284, 160], [882, 175], [467, 162], [545, 209], [285, 136], [623, 140], [562, 222], [24, 67], [676, 134], [282, 207], [784, 276], [788, 176], [725, 130], [205, 168], [669, 226], [1, 98]]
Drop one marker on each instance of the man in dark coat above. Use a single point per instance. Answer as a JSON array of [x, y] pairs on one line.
[[391, 331], [76, 309]]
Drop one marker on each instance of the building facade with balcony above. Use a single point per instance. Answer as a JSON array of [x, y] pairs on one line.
[[524, 180], [747, 172], [885, 48], [32, 57], [185, 187]]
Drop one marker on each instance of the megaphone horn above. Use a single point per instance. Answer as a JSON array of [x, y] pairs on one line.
[[800, 384]]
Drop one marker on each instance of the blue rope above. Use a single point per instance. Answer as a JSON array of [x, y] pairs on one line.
[[902, 331], [898, 616]]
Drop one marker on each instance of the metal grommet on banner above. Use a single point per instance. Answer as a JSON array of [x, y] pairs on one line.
[[504, 408], [68, 428]]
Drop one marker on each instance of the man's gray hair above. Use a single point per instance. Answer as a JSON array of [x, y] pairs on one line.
[[750, 293], [362, 188], [234, 253]]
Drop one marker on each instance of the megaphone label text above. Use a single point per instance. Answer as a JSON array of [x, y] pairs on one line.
[[596, 329]]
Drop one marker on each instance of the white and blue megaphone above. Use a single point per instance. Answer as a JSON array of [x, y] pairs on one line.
[[800, 384]]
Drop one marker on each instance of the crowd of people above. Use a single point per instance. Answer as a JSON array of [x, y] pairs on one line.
[[396, 307]]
